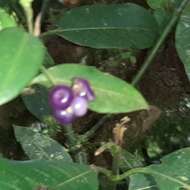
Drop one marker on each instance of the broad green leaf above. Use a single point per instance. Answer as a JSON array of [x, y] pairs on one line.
[[36, 101], [109, 26], [172, 173], [158, 4], [183, 39], [163, 4], [6, 20], [39, 146], [21, 55], [162, 17], [113, 95], [40, 174]]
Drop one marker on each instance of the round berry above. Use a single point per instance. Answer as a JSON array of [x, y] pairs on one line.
[[64, 116], [60, 97], [79, 106], [82, 88]]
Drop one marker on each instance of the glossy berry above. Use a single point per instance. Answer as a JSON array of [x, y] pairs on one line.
[[69, 103], [60, 97], [79, 106], [64, 116], [81, 87]]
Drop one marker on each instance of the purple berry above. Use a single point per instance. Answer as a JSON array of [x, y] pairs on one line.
[[79, 106], [60, 97], [64, 116], [82, 88]]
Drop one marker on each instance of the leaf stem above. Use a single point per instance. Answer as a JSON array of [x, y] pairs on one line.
[[72, 139], [70, 134], [160, 41], [48, 76], [115, 169], [142, 170], [89, 134], [37, 31], [27, 6]]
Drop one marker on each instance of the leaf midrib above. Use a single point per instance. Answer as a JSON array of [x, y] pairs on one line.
[[73, 178], [101, 28], [153, 172]]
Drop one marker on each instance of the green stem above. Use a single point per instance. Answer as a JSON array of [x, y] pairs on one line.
[[115, 170], [37, 28], [91, 132], [52, 32], [160, 41], [47, 75], [29, 15], [147, 171], [72, 139], [70, 135]]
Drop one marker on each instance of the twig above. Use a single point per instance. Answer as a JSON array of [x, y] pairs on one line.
[[160, 41], [91, 132], [40, 17]]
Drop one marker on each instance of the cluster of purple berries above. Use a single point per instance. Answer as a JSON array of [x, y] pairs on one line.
[[68, 103]]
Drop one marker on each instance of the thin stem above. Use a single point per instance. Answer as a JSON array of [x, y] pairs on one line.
[[117, 178], [91, 132], [40, 17], [37, 31], [160, 41], [72, 139], [29, 17], [27, 6], [115, 169], [47, 75], [69, 133], [52, 32], [142, 170]]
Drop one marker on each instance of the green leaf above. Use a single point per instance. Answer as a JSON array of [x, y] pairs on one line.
[[172, 173], [158, 4], [53, 175], [162, 17], [48, 60], [6, 20], [109, 26], [129, 161], [126, 159], [39, 146], [36, 101], [21, 55], [183, 39], [113, 95]]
